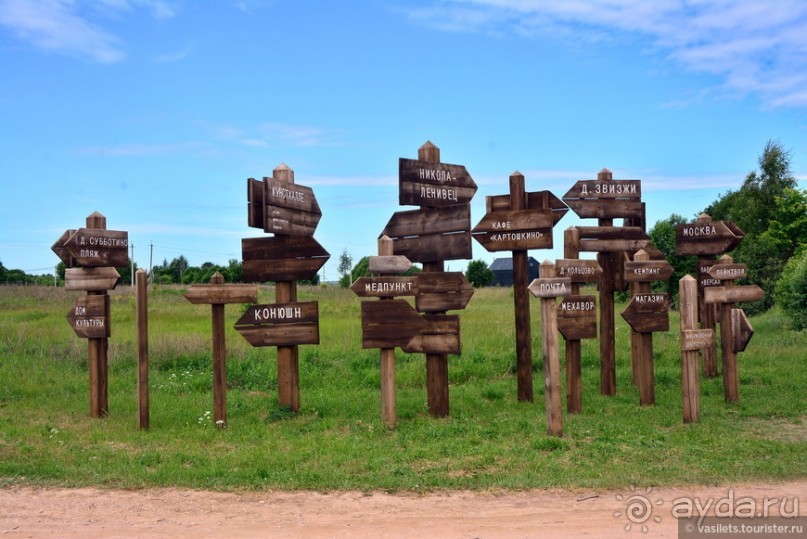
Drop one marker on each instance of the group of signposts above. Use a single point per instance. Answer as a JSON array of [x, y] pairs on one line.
[[713, 298], [90, 256], [440, 230]]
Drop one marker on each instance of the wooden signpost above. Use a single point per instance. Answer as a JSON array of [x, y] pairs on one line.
[[608, 199], [577, 314], [735, 331], [89, 255], [646, 313], [547, 287], [217, 294], [707, 239], [290, 211], [378, 316], [141, 291], [438, 231], [518, 222], [692, 341]]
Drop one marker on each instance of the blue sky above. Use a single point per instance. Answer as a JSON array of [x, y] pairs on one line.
[[155, 112]]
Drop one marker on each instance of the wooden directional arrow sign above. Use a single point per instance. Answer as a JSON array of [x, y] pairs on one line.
[[96, 247], [741, 329], [515, 230], [706, 237], [732, 294], [728, 272], [389, 323], [287, 208], [91, 279], [385, 287], [432, 185], [579, 271], [220, 294], [535, 200], [605, 199], [647, 313], [441, 336], [61, 251], [550, 287], [647, 271], [280, 324], [612, 238], [281, 258], [431, 234], [89, 316], [442, 291], [577, 318]]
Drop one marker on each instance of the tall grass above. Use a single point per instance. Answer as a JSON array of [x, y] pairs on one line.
[[337, 441]]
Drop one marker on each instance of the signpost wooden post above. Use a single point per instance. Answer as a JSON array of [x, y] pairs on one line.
[[577, 315], [692, 340], [89, 255], [438, 231], [640, 273], [707, 239], [387, 287], [217, 294], [290, 211], [518, 222], [141, 287], [608, 199], [731, 321], [547, 287]]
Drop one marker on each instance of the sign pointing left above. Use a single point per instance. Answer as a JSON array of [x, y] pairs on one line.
[[96, 247]]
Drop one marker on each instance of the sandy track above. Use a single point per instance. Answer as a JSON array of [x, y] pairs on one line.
[[175, 513]]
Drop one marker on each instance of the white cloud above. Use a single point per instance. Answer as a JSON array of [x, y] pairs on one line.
[[756, 48], [276, 134], [72, 28], [53, 25]]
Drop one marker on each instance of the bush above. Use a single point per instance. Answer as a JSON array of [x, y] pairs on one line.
[[791, 290]]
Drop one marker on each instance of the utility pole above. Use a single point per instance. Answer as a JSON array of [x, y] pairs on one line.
[[131, 266]]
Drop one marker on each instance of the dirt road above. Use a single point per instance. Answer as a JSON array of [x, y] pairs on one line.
[[94, 513]]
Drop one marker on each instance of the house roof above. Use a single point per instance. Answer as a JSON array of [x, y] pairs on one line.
[[506, 264]]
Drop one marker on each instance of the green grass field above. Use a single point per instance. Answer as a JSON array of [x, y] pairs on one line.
[[337, 440]]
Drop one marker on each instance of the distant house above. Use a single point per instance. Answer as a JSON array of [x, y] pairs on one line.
[[502, 269]]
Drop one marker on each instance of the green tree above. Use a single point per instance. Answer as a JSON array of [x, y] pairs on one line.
[[345, 264], [234, 271], [754, 206], [478, 273], [361, 269], [763, 208], [791, 290]]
